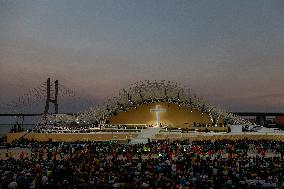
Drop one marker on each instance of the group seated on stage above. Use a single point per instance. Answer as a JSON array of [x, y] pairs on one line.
[[250, 128], [198, 128], [62, 129], [75, 128], [207, 125]]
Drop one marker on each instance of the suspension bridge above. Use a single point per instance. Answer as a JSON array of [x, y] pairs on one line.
[[39, 100]]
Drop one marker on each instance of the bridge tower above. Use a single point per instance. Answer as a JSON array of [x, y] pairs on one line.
[[48, 97]]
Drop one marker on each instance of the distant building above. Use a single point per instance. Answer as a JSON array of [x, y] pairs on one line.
[[279, 120]]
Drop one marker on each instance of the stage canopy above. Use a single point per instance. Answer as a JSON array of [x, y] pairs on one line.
[[154, 103]]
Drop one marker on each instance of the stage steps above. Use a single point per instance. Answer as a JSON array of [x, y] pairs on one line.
[[146, 134]]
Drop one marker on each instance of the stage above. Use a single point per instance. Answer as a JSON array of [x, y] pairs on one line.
[[149, 133], [72, 137], [219, 136]]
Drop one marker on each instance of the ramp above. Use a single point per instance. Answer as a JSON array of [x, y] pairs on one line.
[[146, 134]]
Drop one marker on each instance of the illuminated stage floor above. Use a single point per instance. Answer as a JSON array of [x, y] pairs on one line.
[[146, 133]]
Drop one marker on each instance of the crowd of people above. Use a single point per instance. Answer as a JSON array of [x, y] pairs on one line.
[[75, 128], [63, 129], [208, 125], [157, 164]]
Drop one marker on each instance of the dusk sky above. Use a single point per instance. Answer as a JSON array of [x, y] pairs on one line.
[[229, 52]]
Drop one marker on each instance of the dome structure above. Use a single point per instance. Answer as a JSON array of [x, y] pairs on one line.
[[152, 93]]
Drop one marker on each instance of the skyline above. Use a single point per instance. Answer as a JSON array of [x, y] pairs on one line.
[[228, 52]]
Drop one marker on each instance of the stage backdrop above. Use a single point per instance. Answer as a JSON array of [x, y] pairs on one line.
[[171, 115]]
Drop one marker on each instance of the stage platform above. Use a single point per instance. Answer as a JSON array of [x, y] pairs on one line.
[[124, 137], [219, 136], [71, 137]]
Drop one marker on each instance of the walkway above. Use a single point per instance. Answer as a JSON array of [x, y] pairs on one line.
[[146, 134]]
